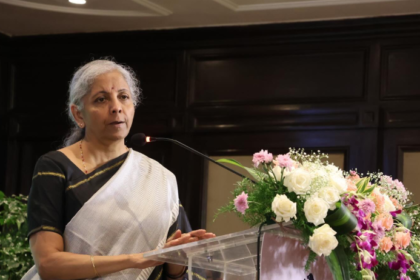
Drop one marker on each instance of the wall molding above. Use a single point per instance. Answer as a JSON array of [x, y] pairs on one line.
[[292, 4], [157, 9]]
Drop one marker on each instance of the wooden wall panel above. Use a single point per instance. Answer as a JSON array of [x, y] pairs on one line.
[[273, 117], [401, 65], [343, 87], [157, 73], [4, 98], [41, 83], [261, 76], [395, 142]]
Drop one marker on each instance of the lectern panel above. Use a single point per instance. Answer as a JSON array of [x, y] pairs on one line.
[[235, 255]]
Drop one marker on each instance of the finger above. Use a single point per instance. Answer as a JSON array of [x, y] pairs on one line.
[[198, 232], [184, 238], [208, 235], [175, 235], [193, 239]]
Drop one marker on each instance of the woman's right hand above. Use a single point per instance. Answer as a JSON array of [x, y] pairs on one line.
[[176, 239]]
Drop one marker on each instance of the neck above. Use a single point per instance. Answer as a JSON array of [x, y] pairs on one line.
[[97, 152]]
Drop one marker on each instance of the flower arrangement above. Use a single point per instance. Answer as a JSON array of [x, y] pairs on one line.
[[365, 226]]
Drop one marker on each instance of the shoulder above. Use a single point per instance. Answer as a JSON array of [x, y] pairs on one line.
[[149, 163], [51, 163]]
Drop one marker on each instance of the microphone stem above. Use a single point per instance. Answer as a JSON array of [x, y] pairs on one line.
[[198, 153]]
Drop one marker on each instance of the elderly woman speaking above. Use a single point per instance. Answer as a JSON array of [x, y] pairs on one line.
[[96, 206]]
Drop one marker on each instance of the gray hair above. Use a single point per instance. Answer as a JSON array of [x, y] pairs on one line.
[[81, 84]]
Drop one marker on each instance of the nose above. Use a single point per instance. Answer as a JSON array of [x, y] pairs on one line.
[[115, 107]]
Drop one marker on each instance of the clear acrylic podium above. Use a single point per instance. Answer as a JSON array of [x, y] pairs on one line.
[[234, 255]]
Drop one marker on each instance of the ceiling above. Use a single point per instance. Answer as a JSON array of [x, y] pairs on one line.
[[35, 17]]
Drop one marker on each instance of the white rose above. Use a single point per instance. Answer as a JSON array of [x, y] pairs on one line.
[[298, 181], [388, 205], [323, 241], [329, 195], [338, 182], [316, 210], [284, 208]]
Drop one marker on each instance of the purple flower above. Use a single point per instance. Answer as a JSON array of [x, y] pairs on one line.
[[367, 205], [366, 241], [241, 202], [401, 264], [285, 161], [395, 213], [404, 277], [261, 157], [368, 259]]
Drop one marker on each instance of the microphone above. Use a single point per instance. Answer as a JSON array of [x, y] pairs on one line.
[[140, 139]]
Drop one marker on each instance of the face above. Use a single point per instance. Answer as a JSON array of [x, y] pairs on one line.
[[108, 109]]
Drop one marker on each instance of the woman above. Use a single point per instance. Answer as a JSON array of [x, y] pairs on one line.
[[96, 206]]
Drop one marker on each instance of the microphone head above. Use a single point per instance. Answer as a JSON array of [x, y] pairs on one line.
[[138, 140]]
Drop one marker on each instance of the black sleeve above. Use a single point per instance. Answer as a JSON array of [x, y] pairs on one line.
[[46, 198], [181, 223]]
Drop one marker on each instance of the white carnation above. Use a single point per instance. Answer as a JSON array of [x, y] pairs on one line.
[[338, 182], [323, 241], [332, 169], [298, 181], [388, 205], [316, 210], [284, 208], [329, 195], [276, 173]]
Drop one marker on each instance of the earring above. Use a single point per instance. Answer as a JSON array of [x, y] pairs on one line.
[[81, 125]]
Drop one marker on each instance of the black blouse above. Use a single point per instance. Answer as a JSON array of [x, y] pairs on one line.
[[59, 189]]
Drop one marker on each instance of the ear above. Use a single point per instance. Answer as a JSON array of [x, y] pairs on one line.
[[78, 116]]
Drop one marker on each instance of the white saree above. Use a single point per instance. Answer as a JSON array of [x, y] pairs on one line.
[[130, 214]]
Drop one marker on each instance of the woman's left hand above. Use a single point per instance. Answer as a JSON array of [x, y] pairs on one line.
[[179, 238]]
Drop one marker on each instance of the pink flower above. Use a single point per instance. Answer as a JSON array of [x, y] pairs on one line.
[[261, 157], [385, 244], [241, 202], [402, 239], [386, 179], [367, 205], [285, 161], [379, 231], [354, 177], [396, 203], [386, 220], [379, 201], [351, 186]]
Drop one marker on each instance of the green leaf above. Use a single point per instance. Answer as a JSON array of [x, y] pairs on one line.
[[362, 184], [230, 161], [341, 220], [405, 220], [1, 195], [254, 173], [338, 263]]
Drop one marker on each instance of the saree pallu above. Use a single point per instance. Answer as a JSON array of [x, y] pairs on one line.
[[130, 214]]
